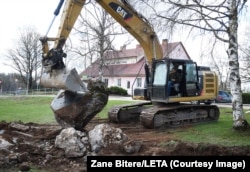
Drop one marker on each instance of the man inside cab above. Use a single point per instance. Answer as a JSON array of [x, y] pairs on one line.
[[174, 79]]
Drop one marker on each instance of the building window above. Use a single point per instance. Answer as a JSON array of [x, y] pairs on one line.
[[128, 84], [139, 82], [119, 82], [106, 81]]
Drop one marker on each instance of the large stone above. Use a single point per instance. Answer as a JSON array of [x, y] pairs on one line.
[[103, 135], [132, 146], [76, 109], [73, 142], [4, 144], [19, 127]]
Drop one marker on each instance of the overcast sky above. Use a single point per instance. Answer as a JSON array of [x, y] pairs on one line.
[[17, 14]]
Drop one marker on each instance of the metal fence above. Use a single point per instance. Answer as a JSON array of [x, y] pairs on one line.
[[30, 92]]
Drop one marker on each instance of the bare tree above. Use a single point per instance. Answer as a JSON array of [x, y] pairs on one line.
[[219, 18], [98, 30], [245, 58], [25, 55]]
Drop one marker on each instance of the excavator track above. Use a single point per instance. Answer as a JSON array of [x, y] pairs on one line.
[[182, 114], [164, 116], [126, 113]]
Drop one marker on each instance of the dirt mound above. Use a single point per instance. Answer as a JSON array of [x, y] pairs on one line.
[[32, 145]]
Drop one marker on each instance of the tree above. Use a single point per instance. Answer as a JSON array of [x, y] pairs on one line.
[[26, 55], [219, 18], [10, 83], [245, 51], [98, 30]]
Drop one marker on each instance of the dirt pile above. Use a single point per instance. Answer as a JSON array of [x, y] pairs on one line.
[[25, 146]]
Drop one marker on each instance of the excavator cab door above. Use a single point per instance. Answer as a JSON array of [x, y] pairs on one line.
[[159, 80], [187, 84], [191, 79]]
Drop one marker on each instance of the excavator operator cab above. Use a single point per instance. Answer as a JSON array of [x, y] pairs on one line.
[[174, 78]]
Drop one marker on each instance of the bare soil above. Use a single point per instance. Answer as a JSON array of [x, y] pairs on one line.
[[34, 147]]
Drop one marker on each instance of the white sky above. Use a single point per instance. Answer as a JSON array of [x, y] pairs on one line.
[[17, 14]]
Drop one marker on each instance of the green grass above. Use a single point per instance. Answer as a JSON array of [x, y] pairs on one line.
[[220, 132], [26, 109], [37, 110], [104, 113]]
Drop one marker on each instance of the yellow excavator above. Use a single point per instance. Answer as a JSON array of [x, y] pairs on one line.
[[167, 103]]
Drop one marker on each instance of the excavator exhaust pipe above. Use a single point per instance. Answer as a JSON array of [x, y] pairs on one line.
[[63, 79]]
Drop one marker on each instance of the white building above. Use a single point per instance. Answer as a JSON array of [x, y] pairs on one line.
[[125, 68]]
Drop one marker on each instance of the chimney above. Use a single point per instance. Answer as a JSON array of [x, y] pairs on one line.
[[165, 46], [165, 43], [123, 47]]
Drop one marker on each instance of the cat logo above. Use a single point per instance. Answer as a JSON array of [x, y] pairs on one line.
[[121, 11]]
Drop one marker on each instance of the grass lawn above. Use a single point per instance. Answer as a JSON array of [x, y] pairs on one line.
[[220, 132], [37, 110], [26, 109]]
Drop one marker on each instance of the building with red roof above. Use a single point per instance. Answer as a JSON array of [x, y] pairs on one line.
[[125, 67]]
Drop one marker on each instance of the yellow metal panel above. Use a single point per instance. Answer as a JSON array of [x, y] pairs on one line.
[[136, 25], [71, 11]]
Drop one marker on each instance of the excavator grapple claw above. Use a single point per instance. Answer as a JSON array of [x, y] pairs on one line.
[[63, 79]]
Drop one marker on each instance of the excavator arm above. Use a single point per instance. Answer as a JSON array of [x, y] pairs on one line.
[[56, 75], [76, 102], [72, 106], [71, 11], [136, 24]]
